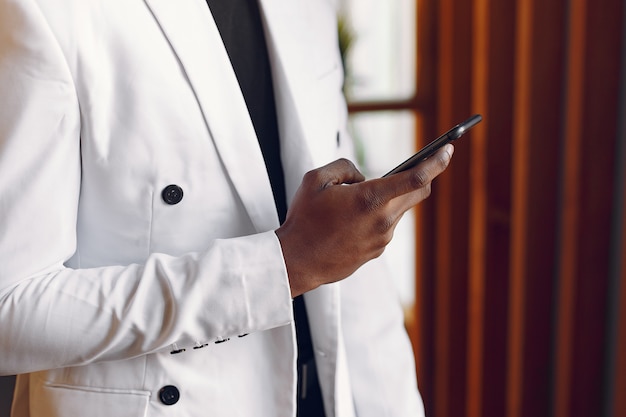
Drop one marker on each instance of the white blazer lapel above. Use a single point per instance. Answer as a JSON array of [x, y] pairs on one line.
[[300, 60], [195, 39], [305, 125]]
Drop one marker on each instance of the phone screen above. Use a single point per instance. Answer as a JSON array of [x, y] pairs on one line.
[[451, 135]]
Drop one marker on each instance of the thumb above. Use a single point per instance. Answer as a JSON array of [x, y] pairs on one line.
[[417, 177]]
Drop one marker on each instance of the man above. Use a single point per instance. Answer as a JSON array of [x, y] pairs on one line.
[[144, 268]]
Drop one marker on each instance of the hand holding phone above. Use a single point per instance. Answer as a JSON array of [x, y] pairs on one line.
[[427, 151]]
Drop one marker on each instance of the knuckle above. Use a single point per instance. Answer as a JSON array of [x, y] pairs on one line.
[[419, 179], [346, 163], [312, 177], [381, 244], [383, 228], [427, 190], [378, 253], [369, 201]]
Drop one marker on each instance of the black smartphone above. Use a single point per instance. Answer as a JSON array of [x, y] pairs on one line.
[[452, 134]]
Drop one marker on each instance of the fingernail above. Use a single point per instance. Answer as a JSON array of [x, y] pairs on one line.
[[450, 150]]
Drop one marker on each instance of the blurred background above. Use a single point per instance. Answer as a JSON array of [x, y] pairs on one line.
[[513, 273]]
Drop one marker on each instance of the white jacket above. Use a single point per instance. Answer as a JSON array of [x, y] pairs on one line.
[[104, 104]]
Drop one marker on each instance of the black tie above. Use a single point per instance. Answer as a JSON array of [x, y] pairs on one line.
[[241, 29]]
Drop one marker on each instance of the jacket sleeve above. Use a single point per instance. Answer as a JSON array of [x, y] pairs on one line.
[[52, 316]]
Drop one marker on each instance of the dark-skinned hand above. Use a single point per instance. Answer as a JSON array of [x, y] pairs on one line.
[[338, 221]]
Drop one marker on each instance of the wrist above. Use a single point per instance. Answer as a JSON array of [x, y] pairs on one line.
[[299, 275]]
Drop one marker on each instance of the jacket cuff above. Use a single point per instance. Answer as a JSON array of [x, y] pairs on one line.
[[256, 266]]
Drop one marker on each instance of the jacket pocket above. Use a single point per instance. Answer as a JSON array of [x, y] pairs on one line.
[[57, 400]]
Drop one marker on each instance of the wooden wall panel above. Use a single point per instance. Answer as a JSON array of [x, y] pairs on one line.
[[536, 147], [513, 310], [616, 363], [451, 200], [617, 379], [580, 380], [490, 207], [618, 406], [477, 213], [426, 92], [570, 210]]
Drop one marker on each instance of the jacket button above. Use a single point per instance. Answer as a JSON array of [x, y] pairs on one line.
[[169, 395], [172, 194]]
